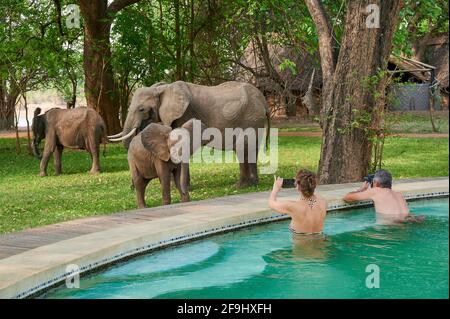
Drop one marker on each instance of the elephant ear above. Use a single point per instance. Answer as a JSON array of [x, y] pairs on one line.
[[158, 84], [154, 138], [189, 126], [174, 102]]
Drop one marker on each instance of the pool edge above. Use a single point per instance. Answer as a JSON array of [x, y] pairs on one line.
[[187, 229]]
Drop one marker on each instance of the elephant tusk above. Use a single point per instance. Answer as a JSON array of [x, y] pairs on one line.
[[115, 135], [123, 137]]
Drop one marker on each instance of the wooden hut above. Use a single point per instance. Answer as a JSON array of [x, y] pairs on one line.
[[414, 76]]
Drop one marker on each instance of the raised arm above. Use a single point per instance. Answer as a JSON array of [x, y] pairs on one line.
[[283, 207], [363, 193]]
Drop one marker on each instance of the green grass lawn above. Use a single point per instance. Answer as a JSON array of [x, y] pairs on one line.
[[419, 122], [402, 122], [27, 200]]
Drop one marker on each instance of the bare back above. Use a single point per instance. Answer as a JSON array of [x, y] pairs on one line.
[[389, 202], [306, 219]]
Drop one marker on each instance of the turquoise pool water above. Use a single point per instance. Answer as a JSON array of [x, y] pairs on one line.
[[266, 262]]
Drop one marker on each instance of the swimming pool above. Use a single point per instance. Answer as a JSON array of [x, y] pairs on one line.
[[266, 262]]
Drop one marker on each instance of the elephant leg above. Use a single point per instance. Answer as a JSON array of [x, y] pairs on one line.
[[183, 190], [49, 148], [95, 152], [140, 183], [165, 188], [189, 186], [244, 178], [57, 158], [164, 178], [253, 170]]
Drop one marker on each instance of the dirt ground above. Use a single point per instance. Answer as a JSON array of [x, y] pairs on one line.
[[412, 135], [12, 134]]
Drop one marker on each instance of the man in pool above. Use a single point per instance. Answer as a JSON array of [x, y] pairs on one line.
[[389, 205], [309, 211]]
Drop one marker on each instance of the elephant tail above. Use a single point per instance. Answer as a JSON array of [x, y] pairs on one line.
[[266, 146]]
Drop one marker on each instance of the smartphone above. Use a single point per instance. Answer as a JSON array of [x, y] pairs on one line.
[[288, 183]]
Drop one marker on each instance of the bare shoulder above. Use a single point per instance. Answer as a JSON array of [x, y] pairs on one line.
[[371, 192], [398, 194], [320, 198], [293, 203]]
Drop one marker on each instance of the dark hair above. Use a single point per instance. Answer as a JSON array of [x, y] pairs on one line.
[[384, 178], [306, 181]]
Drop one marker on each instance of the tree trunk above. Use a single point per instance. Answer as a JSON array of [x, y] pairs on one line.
[[6, 120], [348, 101], [191, 40], [7, 105], [179, 71], [99, 80], [327, 45], [100, 87]]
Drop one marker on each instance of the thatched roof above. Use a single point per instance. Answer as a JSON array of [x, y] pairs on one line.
[[435, 54], [305, 64], [410, 66]]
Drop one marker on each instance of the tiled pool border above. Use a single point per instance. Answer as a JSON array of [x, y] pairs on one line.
[[105, 262]]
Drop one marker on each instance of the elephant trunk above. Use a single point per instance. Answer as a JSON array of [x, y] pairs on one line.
[[184, 182], [127, 127], [35, 149]]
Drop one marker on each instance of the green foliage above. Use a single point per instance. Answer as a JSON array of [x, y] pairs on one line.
[[34, 54], [289, 65], [417, 19], [144, 42]]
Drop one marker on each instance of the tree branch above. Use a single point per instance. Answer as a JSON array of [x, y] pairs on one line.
[[324, 32], [58, 16], [246, 67], [118, 5]]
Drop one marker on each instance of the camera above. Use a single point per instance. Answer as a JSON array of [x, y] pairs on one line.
[[369, 179]]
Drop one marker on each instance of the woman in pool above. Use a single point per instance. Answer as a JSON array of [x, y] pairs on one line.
[[309, 211]]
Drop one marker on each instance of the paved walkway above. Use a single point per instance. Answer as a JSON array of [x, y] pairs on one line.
[[33, 259]]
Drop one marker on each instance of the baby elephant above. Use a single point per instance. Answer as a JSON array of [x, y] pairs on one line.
[[149, 157]]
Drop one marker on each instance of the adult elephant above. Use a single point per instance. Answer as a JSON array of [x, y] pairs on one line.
[[228, 105], [78, 128]]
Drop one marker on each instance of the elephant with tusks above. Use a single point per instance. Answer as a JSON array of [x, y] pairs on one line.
[[238, 106]]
